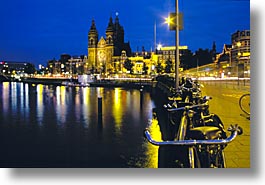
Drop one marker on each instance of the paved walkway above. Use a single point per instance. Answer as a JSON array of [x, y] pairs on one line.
[[225, 104]]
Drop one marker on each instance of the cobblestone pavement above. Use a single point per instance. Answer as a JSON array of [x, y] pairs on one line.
[[225, 104]]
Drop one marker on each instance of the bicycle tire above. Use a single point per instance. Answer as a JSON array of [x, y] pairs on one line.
[[220, 160], [194, 161], [244, 103]]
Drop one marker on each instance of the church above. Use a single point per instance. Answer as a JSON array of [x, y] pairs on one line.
[[107, 54]]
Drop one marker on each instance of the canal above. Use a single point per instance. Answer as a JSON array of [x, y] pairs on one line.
[[58, 126]]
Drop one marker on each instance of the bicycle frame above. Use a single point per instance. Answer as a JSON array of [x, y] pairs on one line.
[[193, 154], [196, 147], [234, 129]]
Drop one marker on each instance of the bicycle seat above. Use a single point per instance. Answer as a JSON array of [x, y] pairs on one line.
[[204, 132]]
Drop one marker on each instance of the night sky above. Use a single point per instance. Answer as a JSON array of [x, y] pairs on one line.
[[39, 30]]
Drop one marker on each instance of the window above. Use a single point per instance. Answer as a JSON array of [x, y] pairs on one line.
[[246, 43], [248, 33]]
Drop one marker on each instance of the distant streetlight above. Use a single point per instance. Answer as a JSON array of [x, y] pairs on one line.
[[159, 46]]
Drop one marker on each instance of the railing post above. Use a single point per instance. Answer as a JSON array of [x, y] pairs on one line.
[[99, 110]]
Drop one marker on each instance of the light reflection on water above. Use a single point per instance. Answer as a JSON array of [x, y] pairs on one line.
[[67, 125]]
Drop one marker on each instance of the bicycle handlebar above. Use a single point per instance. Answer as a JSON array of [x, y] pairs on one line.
[[234, 129], [187, 107]]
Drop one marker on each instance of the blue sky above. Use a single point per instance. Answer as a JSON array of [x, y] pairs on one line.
[[39, 30]]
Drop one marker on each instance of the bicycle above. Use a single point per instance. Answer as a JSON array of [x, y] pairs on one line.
[[203, 144], [189, 92], [244, 104]]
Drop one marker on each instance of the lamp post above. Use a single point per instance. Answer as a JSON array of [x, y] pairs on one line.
[[177, 47], [175, 26]]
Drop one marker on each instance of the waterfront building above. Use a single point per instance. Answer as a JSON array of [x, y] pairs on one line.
[[12, 67], [108, 53], [68, 65]]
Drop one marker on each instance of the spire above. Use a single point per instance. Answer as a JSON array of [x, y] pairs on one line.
[[110, 25], [93, 28], [92, 35], [214, 46], [117, 18]]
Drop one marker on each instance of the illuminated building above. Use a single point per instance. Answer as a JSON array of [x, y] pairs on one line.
[[234, 60], [168, 53], [240, 46], [9, 67], [68, 65], [240, 52], [107, 54]]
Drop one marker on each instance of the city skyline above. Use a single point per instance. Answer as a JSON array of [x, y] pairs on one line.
[[39, 31]]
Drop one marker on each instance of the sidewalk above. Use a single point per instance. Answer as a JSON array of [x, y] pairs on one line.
[[225, 104]]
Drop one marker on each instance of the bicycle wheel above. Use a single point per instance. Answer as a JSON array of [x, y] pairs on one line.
[[194, 161], [244, 103], [220, 160]]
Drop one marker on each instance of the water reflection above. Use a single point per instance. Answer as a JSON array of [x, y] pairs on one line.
[[59, 125], [118, 108], [152, 150], [40, 107], [85, 108], [60, 105], [5, 97]]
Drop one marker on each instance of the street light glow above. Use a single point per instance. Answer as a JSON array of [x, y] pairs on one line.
[[159, 46], [169, 20]]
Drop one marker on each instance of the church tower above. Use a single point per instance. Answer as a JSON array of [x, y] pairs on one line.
[[110, 33], [92, 45], [118, 36], [109, 49], [213, 52], [104, 54]]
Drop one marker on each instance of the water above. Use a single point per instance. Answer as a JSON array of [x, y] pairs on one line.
[[58, 126]]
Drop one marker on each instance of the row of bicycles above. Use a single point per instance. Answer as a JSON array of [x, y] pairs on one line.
[[197, 132]]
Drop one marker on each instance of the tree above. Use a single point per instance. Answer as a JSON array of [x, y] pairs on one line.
[[128, 65], [159, 68], [187, 60], [145, 69], [169, 66], [203, 57]]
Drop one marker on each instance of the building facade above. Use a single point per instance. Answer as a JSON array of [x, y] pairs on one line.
[[105, 54], [68, 65], [240, 46], [168, 54], [234, 60], [240, 53], [12, 67]]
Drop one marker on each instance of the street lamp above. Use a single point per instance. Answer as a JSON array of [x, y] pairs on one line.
[[177, 47], [174, 17]]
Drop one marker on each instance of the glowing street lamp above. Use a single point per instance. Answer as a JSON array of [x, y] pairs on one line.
[[159, 46], [169, 20], [174, 24]]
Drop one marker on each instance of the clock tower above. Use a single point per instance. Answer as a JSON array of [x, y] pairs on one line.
[[92, 45], [105, 54], [109, 48]]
